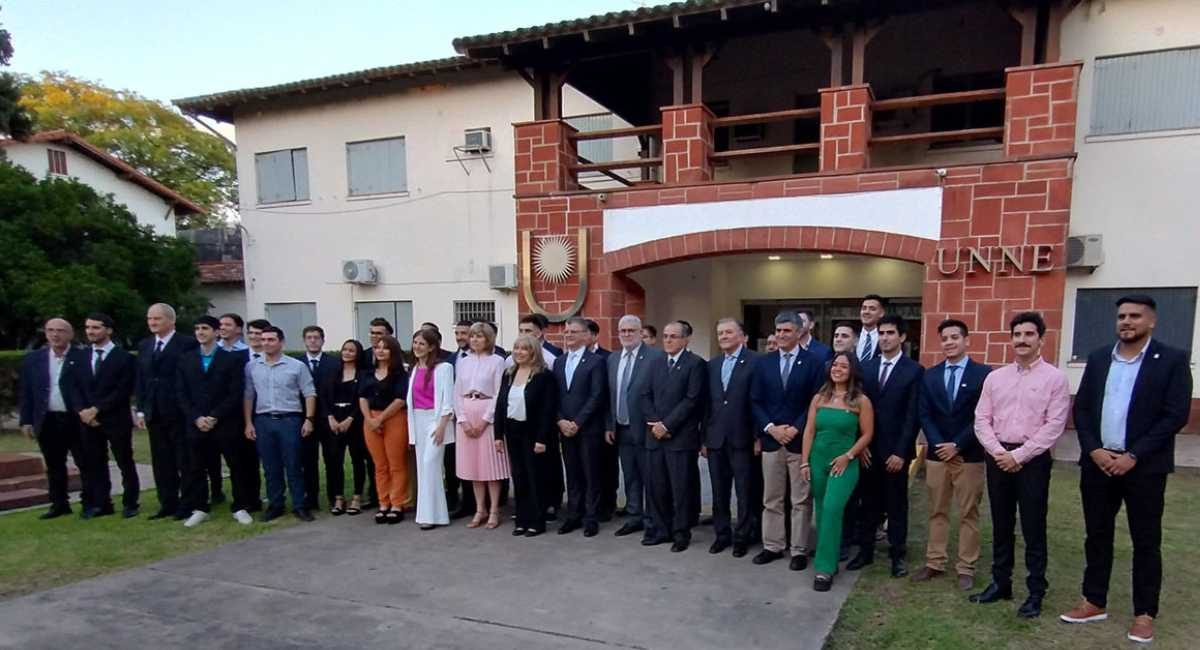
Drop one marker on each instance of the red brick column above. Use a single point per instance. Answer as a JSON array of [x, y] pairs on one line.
[[1040, 107], [687, 144], [545, 157], [845, 127]]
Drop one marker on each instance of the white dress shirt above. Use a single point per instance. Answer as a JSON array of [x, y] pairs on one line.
[[57, 404]]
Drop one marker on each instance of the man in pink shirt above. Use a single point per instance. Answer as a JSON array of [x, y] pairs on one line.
[[1021, 413]]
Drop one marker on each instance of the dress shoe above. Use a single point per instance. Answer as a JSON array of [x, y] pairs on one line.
[[590, 529], [898, 568], [181, 515], [718, 546], [654, 541], [992, 593], [966, 582], [766, 556], [1031, 608], [130, 512], [1142, 630], [460, 513], [926, 574], [861, 560], [55, 512], [162, 513], [822, 582], [89, 513], [217, 498], [569, 527], [629, 528], [534, 532], [107, 509], [1084, 612], [303, 514], [621, 512], [272, 514], [739, 550], [798, 562], [679, 546]]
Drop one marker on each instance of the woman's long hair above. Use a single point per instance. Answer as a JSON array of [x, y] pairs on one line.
[[853, 382], [537, 361], [360, 357], [434, 340]]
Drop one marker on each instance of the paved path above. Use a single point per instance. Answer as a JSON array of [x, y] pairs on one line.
[[347, 583]]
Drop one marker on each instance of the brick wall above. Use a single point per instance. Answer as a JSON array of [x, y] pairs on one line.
[[687, 143], [1039, 115], [845, 128]]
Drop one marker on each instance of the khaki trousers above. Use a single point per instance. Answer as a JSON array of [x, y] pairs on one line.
[[964, 482], [781, 472]]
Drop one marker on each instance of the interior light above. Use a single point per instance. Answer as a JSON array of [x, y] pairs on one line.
[[774, 258], [826, 256]]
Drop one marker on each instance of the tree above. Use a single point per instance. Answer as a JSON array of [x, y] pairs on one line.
[[14, 121], [69, 251], [145, 133]]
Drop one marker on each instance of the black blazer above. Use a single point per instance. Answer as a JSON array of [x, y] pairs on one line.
[[945, 422], [675, 397], [109, 389], [1158, 409], [772, 402], [823, 353], [647, 357], [895, 407], [541, 406], [34, 387], [585, 403], [216, 392], [327, 366], [156, 394], [729, 419]]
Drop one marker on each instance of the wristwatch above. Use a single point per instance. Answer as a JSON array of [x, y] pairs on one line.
[[311, 418]]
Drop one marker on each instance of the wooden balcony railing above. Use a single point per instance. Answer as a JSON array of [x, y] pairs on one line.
[[940, 99]]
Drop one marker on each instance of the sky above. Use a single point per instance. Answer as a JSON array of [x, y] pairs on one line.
[[168, 49]]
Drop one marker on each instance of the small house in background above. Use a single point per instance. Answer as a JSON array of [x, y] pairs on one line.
[[222, 273]]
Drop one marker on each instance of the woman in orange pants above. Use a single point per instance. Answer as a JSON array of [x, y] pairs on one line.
[[385, 427]]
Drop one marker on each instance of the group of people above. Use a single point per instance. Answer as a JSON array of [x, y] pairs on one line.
[[814, 441]]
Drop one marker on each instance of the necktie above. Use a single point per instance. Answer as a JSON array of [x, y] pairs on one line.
[[787, 367], [951, 384], [99, 358], [623, 389], [885, 374], [313, 363], [670, 364], [727, 371], [158, 347], [868, 348], [572, 362]]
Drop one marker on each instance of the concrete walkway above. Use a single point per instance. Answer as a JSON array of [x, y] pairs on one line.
[[348, 583]]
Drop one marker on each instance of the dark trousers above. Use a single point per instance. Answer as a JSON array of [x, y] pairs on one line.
[[58, 436], [310, 464], [242, 459], [279, 448], [670, 500], [755, 505], [96, 443], [883, 493], [1143, 495], [333, 449], [610, 478], [694, 491], [169, 460], [550, 474], [729, 470], [581, 458], [202, 445], [459, 495], [633, 468], [523, 462], [1028, 491], [215, 480]]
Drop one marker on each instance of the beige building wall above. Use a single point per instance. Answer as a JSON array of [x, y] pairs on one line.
[[1138, 191]]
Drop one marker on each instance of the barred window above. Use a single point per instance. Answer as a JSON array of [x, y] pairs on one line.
[[475, 310], [58, 161]]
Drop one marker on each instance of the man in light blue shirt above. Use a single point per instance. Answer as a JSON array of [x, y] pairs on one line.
[[1118, 390]]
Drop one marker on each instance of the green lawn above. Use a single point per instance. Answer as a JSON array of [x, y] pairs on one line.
[[883, 612]]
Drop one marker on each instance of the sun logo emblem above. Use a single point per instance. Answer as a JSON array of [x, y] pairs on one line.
[[554, 258]]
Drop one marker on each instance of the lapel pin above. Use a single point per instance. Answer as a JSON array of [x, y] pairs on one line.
[[1155, 355]]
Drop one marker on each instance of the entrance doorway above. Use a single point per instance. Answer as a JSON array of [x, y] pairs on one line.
[[828, 313]]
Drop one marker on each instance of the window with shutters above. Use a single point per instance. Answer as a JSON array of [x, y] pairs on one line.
[[292, 318], [376, 167], [282, 176], [58, 161], [1149, 91]]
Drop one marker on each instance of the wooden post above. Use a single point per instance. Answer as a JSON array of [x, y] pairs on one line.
[[699, 60], [1027, 17], [862, 35], [837, 46], [675, 63]]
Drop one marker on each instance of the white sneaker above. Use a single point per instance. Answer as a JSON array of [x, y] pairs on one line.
[[198, 517], [243, 517]]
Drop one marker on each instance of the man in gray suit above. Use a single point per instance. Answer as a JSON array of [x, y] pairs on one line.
[[729, 439], [627, 372]]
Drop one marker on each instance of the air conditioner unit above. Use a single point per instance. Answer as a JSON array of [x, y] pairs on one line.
[[360, 272], [1085, 251], [477, 140], [502, 277]]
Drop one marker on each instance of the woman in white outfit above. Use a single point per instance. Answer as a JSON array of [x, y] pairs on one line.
[[430, 413]]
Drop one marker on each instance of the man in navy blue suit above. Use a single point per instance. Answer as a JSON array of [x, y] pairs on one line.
[[1133, 399], [47, 413], [781, 389], [954, 468], [582, 404], [892, 381]]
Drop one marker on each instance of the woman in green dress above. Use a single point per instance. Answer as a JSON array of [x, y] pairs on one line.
[[838, 429]]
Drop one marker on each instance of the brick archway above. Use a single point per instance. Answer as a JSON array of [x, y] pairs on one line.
[[735, 241]]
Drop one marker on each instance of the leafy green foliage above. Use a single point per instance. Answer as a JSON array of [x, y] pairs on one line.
[[69, 251], [14, 121]]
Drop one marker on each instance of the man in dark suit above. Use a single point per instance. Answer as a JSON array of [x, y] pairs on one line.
[[954, 469], [321, 366], [781, 389], [610, 463], [729, 439], [809, 343], [870, 313], [673, 406], [208, 386], [1133, 399], [47, 414], [582, 398], [158, 408], [892, 381], [536, 325], [628, 372], [101, 380]]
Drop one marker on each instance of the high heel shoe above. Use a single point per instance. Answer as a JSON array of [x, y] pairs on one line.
[[477, 520], [493, 520]]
